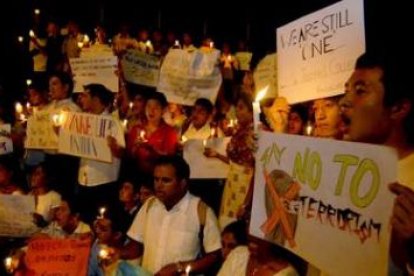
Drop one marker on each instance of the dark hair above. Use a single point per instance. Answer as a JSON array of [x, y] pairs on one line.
[[159, 97], [101, 92], [396, 80], [72, 203], [246, 99], [239, 231], [10, 163], [48, 172], [205, 103], [301, 110], [65, 79], [182, 169]]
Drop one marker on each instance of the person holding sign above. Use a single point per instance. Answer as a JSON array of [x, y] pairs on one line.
[[97, 179], [378, 108]]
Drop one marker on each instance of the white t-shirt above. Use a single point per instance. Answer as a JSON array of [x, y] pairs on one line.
[[173, 236]]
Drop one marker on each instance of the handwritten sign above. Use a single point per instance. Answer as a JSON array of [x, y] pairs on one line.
[[6, 144], [265, 75], [244, 59], [85, 135], [317, 53], [312, 193], [40, 132], [141, 68], [58, 256], [99, 69], [16, 219], [202, 167], [187, 76]]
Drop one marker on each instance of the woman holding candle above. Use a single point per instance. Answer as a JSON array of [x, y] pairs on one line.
[[154, 138], [241, 159]]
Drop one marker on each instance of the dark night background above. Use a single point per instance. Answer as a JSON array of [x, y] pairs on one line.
[[225, 21]]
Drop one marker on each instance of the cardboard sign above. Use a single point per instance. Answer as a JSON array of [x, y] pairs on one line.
[[187, 76], [265, 75], [40, 132], [317, 53], [326, 201], [85, 135], [141, 68], [58, 256]]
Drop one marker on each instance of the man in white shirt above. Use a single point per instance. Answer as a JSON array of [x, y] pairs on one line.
[[97, 179], [172, 229]]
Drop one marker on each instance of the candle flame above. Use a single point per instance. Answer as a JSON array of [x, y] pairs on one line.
[[20, 38], [18, 107], [102, 211], [37, 11], [31, 33], [260, 95], [103, 253]]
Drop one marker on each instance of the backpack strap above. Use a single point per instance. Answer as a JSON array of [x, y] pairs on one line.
[[202, 217]]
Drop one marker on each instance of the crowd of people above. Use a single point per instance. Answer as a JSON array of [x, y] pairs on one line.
[[142, 207]]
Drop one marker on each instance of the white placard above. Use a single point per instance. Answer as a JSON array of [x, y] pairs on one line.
[[16, 219], [202, 167], [6, 144], [141, 68], [85, 135], [317, 53], [40, 131], [98, 69], [325, 200], [265, 75], [187, 76]]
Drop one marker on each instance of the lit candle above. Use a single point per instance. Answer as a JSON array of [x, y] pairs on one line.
[[184, 139], [231, 123], [177, 43], [229, 57], [57, 119], [103, 253], [211, 44], [8, 264], [102, 211], [20, 39], [131, 104], [187, 270], [125, 123], [18, 107], [31, 33], [148, 43], [212, 132], [80, 44], [308, 129], [28, 82], [142, 135], [37, 11], [256, 108], [86, 39]]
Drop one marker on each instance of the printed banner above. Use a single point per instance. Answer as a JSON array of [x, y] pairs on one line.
[[58, 256], [40, 131], [325, 200], [141, 68], [85, 135], [317, 53], [6, 144], [202, 166], [187, 76], [16, 219], [102, 70]]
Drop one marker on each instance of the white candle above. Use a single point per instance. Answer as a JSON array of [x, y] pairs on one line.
[[308, 129], [256, 108], [18, 107], [187, 270], [102, 211], [57, 119]]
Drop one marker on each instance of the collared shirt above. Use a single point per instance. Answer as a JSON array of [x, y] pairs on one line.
[[202, 133], [173, 236]]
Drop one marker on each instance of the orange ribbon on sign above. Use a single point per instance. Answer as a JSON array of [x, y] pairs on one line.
[[279, 213]]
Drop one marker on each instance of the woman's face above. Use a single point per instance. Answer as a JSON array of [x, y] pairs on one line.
[[228, 243]]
